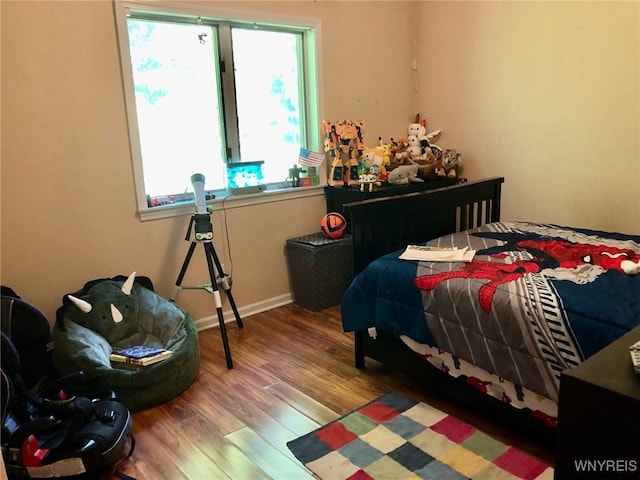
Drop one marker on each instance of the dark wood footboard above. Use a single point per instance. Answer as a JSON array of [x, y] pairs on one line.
[[383, 225]]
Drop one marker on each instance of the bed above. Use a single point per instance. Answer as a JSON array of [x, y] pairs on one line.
[[497, 330]]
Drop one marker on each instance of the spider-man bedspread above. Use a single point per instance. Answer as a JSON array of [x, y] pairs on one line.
[[534, 300]]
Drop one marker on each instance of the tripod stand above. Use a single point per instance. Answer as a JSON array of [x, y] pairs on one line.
[[204, 235]]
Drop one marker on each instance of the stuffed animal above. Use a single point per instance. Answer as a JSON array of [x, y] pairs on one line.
[[399, 154], [431, 171], [380, 156], [405, 174], [420, 147], [451, 161], [418, 155], [368, 181], [417, 129]]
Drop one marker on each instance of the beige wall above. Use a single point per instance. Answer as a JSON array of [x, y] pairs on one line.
[[68, 201], [544, 94]]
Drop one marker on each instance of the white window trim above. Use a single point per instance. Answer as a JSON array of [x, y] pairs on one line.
[[228, 202], [314, 112]]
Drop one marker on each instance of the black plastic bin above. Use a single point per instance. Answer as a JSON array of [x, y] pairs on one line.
[[320, 269]]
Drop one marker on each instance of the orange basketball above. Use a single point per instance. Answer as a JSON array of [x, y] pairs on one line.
[[333, 225]]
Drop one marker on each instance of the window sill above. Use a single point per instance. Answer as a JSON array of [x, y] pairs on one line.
[[227, 201]]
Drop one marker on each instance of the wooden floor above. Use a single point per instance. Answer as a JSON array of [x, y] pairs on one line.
[[293, 371]]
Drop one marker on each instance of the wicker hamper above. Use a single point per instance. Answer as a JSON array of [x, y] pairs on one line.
[[320, 269]]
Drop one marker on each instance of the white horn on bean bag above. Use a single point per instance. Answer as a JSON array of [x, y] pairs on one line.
[[128, 284], [115, 314], [83, 305]]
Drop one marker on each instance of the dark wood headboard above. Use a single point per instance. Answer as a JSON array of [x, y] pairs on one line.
[[383, 225]]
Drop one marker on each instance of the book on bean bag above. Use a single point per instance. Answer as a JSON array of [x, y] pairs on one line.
[[139, 355]]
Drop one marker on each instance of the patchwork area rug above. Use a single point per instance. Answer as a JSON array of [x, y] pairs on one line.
[[397, 437]]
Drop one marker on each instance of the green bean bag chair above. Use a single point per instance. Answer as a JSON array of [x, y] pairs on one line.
[[123, 312]]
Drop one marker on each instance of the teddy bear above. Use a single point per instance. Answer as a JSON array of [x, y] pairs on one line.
[[415, 151], [417, 129], [399, 153], [451, 162], [420, 147]]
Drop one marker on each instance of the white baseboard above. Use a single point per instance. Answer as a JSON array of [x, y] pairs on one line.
[[246, 311]]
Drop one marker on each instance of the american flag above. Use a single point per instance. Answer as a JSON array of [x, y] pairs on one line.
[[310, 158]]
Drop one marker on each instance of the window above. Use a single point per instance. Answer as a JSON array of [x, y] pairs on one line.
[[206, 87]]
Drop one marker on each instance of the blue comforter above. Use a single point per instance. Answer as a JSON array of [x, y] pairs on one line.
[[535, 299]]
